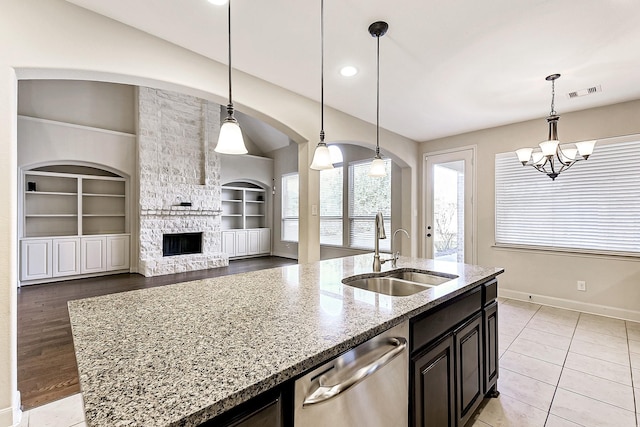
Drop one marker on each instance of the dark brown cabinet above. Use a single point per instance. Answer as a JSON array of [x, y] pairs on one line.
[[490, 316], [434, 392], [454, 361], [469, 368]]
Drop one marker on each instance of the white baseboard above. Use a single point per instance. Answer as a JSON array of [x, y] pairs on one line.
[[10, 417], [602, 310]]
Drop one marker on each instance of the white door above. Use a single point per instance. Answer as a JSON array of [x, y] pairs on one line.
[[94, 254], [229, 243], [449, 210], [117, 253], [241, 242], [35, 259], [265, 240], [253, 242], [66, 257]]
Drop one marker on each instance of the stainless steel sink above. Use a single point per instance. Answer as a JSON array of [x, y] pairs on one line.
[[387, 285], [399, 283], [422, 277]]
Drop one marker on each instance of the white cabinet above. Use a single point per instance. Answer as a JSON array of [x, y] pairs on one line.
[[265, 241], [73, 223], [241, 242], [94, 255], [117, 253], [66, 256], [36, 259], [229, 243], [253, 242]]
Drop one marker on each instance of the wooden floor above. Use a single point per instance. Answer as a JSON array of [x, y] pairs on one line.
[[47, 369]]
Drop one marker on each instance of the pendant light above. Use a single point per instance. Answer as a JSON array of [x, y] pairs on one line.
[[377, 30], [230, 140], [321, 157], [552, 159]]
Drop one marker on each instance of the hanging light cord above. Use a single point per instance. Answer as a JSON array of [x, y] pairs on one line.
[[553, 97], [230, 105], [321, 71], [378, 100]]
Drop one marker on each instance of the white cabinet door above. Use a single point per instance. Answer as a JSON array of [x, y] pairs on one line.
[[35, 259], [265, 240], [229, 243], [253, 242], [94, 254], [66, 257], [241, 242], [117, 253]]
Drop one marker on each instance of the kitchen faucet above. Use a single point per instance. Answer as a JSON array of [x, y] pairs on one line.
[[380, 234], [394, 260]]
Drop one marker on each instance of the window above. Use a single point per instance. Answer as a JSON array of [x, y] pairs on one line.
[[594, 206], [290, 210], [331, 222], [367, 196]]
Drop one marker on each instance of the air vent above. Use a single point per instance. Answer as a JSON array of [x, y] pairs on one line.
[[584, 92]]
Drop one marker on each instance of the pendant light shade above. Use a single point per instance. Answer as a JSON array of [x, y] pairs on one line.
[[230, 140], [377, 30], [321, 157], [377, 168]]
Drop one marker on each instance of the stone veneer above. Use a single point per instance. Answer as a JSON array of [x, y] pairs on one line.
[[177, 135]]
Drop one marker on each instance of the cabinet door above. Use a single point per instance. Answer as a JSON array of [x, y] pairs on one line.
[[490, 318], [432, 376], [66, 257], [94, 254], [117, 253], [35, 259], [265, 240], [229, 243], [253, 242], [469, 368], [241, 242]]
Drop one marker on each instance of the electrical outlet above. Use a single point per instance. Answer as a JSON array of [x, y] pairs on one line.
[[582, 285]]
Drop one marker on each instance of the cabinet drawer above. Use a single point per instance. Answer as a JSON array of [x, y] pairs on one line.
[[433, 324], [490, 290]]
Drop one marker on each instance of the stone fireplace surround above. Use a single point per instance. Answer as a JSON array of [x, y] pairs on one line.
[[177, 166]]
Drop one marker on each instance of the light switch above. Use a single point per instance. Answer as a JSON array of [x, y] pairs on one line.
[[314, 210]]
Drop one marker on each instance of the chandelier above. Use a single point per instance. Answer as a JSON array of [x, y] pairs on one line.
[[553, 159]]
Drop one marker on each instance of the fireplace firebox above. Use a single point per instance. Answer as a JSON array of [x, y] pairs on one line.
[[181, 244]]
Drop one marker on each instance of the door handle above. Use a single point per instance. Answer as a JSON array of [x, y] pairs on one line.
[[326, 392]]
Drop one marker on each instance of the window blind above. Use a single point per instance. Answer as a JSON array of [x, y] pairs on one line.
[[290, 209], [367, 196], [331, 223], [593, 206]]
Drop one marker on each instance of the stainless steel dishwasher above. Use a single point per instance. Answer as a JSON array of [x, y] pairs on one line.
[[366, 386]]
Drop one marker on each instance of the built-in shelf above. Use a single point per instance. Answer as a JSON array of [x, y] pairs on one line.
[[243, 206], [72, 204]]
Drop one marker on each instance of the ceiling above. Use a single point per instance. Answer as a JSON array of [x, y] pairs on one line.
[[447, 67]]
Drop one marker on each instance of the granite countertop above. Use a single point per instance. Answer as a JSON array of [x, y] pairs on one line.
[[181, 354]]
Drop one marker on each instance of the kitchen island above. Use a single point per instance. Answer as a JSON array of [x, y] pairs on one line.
[[183, 354]]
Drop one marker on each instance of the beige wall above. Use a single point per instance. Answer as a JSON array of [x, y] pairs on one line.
[[613, 284], [53, 39]]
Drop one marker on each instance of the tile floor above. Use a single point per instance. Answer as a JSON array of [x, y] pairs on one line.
[[561, 368], [558, 368]]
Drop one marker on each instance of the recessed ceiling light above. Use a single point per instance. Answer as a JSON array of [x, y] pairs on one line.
[[218, 2], [349, 71]]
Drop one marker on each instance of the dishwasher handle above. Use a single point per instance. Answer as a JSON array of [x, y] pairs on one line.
[[324, 393]]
